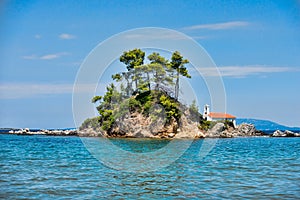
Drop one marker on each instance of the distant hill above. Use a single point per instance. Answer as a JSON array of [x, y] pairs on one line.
[[266, 125]]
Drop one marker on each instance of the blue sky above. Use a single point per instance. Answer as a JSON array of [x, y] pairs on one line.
[[255, 44]]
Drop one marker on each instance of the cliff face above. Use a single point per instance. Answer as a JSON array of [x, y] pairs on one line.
[[157, 126], [138, 126]]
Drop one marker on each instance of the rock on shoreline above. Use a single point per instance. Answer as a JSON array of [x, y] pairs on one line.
[[243, 130], [27, 131], [219, 130], [285, 133]]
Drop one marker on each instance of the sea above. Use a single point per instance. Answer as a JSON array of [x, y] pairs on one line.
[[57, 167]]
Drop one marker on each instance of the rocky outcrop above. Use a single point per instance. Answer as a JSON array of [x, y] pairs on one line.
[[188, 129], [215, 131], [285, 133], [90, 132], [245, 130], [27, 131], [138, 126], [221, 131]]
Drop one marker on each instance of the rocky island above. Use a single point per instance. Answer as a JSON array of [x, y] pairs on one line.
[[145, 104], [142, 102]]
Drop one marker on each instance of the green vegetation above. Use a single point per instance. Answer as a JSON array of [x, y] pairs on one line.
[[143, 86], [194, 112], [90, 123], [177, 63], [171, 107], [228, 123], [204, 125]]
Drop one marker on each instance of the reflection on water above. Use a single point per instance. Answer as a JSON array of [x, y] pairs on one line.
[[140, 145], [41, 167]]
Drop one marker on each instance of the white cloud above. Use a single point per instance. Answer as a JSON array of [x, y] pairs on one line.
[[37, 36], [30, 57], [66, 36], [49, 56], [161, 36], [243, 71], [25, 90], [218, 26], [156, 36], [45, 57]]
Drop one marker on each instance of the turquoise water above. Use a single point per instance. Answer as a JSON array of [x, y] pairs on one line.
[[43, 167]]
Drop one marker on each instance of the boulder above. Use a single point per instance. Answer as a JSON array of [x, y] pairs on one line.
[[228, 134], [220, 130], [90, 132], [171, 135], [289, 133], [286, 133], [142, 133], [185, 134], [246, 130], [215, 131], [277, 133], [199, 134], [188, 129]]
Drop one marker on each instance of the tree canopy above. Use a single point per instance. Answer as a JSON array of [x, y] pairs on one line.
[[158, 72], [142, 85], [178, 64]]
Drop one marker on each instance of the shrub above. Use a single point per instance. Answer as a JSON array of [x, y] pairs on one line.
[[90, 123], [205, 125], [144, 97], [134, 105], [147, 106], [171, 107], [194, 112]]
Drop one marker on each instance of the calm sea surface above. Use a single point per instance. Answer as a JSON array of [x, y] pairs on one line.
[[45, 167]]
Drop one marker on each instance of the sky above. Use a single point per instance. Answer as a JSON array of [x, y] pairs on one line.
[[254, 44]]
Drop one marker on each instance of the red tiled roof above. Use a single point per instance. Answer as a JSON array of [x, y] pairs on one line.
[[221, 115]]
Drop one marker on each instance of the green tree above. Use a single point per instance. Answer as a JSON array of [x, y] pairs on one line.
[[132, 59], [143, 77], [107, 104], [194, 112], [128, 89], [117, 77], [159, 67], [124, 75], [96, 99], [171, 107], [178, 64], [160, 73]]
